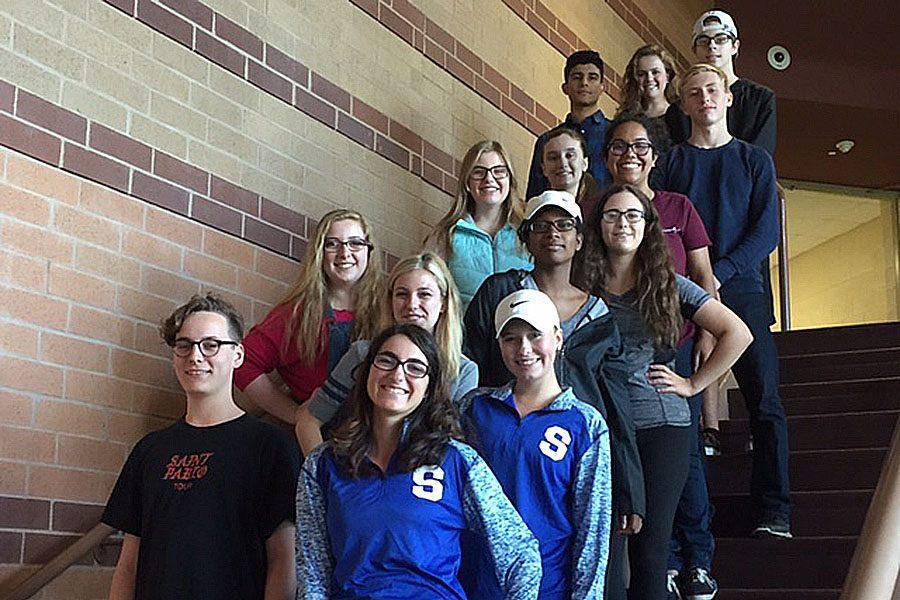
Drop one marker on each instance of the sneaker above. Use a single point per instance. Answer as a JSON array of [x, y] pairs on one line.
[[672, 585], [711, 444], [773, 527], [698, 585]]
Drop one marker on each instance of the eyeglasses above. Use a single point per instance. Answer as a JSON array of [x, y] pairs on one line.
[[498, 171], [632, 215], [620, 147], [720, 39], [413, 367], [355, 244], [542, 226], [209, 346]]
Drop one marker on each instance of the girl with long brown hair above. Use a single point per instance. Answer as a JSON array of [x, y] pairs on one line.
[[650, 90], [333, 302], [388, 501], [634, 275]]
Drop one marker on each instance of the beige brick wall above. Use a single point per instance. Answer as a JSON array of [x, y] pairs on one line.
[[87, 271]]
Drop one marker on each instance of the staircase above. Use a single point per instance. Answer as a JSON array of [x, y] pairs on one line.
[[841, 392]]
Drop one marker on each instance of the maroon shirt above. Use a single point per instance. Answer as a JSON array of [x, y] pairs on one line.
[[684, 232]]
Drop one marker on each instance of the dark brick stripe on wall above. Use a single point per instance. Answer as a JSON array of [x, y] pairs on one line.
[[423, 34], [35, 530], [64, 139], [239, 51], [542, 20]]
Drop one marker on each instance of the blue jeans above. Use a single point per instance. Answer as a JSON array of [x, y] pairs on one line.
[[692, 542], [756, 372]]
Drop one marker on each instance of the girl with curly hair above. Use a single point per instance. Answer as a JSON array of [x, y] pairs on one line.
[[384, 504], [634, 275], [333, 302], [650, 90]]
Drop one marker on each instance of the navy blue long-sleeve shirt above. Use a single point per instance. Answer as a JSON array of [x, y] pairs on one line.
[[733, 189]]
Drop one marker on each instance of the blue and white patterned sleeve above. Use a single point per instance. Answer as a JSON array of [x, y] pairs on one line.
[[592, 515], [314, 560], [514, 550]]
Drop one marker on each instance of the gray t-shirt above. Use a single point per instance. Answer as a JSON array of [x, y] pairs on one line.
[[326, 401], [652, 408]]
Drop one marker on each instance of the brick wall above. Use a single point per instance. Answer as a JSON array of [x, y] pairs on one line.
[[150, 149]]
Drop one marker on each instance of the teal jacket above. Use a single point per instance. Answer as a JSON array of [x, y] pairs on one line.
[[476, 256]]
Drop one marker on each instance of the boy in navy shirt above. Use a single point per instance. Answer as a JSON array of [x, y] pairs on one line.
[[207, 505], [549, 451], [583, 84], [732, 184]]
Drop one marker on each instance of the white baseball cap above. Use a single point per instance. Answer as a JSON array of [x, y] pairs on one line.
[[563, 200], [532, 306], [714, 22]]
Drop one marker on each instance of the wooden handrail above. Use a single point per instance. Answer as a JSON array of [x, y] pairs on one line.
[[60, 563], [876, 561], [784, 279]]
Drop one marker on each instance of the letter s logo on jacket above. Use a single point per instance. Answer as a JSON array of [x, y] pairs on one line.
[[556, 442], [428, 483]]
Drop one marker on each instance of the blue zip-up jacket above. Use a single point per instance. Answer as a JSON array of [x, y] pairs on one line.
[[591, 361], [396, 535], [554, 465], [477, 255]]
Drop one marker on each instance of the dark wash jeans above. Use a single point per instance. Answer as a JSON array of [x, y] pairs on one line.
[[756, 372], [692, 542]]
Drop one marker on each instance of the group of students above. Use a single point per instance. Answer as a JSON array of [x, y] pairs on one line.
[[497, 416]]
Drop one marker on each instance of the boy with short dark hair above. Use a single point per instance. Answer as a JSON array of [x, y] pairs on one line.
[[207, 504], [732, 185], [583, 84]]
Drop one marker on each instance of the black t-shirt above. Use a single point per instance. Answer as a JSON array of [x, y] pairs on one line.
[[204, 500]]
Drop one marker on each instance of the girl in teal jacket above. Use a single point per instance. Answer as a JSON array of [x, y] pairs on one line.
[[477, 236]]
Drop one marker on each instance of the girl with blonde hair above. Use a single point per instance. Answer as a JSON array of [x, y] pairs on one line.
[[419, 291], [477, 236], [333, 302]]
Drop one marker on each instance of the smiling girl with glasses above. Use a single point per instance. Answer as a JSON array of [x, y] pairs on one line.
[[333, 302]]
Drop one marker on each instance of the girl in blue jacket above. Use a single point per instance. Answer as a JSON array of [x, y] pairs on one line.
[[382, 507], [477, 236], [549, 450]]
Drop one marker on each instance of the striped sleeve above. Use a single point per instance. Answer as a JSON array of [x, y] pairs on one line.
[[314, 561], [592, 512], [327, 400], [514, 550]]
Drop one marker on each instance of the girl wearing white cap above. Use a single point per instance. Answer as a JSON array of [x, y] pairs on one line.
[[591, 357], [549, 451]]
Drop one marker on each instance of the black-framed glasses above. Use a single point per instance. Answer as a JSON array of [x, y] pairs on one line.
[[498, 171], [720, 39], [620, 147], [333, 244], [543, 226], [632, 215], [415, 368], [209, 346]]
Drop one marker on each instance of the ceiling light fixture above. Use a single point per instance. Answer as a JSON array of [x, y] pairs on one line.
[[845, 146]]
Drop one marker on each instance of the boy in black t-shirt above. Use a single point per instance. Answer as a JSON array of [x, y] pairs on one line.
[[207, 504]]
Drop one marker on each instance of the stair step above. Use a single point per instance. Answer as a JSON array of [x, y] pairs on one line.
[[834, 397], [821, 432], [840, 366], [800, 563], [778, 594], [854, 337], [855, 469], [813, 513]]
